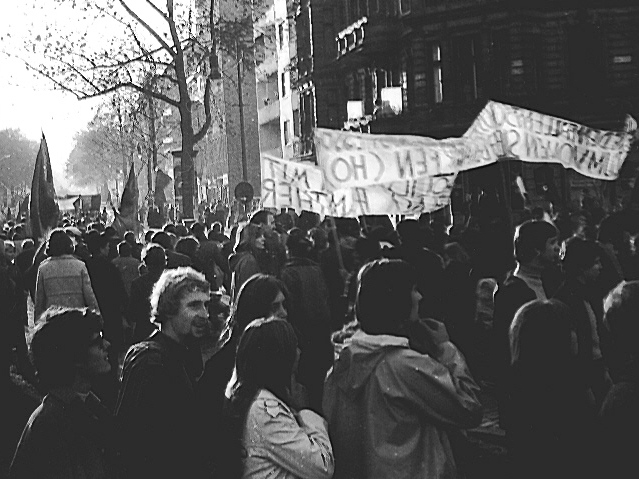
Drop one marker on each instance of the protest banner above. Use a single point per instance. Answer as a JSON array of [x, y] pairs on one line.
[[361, 159], [287, 184], [366, 174], [508, 132]]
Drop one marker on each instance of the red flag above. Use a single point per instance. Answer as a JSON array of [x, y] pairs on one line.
[[43, 208], [127, 218]]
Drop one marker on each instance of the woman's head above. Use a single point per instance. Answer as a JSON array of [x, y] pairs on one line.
[[59, 243], [385, 296], [261, 296], [541, 333], [249, 237], [266, 356]]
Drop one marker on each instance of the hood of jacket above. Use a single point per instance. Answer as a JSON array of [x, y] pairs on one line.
[[360, 357]]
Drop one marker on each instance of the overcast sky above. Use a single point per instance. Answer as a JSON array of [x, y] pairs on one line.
[[30, 104]]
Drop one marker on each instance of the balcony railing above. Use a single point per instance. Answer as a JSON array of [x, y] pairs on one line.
[[367, 35]]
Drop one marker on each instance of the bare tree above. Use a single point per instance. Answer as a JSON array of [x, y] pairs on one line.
[[172, 42]]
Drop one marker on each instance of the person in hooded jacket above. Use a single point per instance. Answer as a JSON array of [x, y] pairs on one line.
[[248, 255], [399, 387]]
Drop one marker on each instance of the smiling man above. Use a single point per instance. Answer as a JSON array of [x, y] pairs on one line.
[[156, 413]]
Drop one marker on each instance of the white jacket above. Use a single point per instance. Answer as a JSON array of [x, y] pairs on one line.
[[281, 444]]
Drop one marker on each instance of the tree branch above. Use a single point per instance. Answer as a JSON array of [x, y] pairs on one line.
[[155, 34], [133, 86], [207, 113], [155, 7], [56, 82]]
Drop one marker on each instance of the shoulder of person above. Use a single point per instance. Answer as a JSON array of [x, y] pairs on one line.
[[511, 283], [268, 406], [144, 353]]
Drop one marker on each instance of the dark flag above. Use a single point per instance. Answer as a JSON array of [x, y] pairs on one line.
[[162, 180], [43, 210], [77, 204], [127, 218]]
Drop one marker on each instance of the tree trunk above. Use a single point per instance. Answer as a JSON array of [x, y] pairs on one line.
[[186, 128], [187, 164]]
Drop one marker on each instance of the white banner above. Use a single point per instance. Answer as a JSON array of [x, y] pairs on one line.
[[287, 184], [506, 131], [360, 159], [364, 174]]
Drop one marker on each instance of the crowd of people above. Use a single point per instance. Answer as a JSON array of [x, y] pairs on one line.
[[302, 347]]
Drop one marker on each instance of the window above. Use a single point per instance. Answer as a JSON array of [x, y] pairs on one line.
[[287, 132], [501, 64], [280, 32], [284, 80], [621, 60], [586, 69], [464, 88], [260, 49], [438, 85], [403, 91]]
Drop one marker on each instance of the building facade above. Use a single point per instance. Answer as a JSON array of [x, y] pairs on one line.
[[428, 67]]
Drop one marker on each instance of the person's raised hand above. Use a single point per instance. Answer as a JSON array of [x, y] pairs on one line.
[[426, 336]]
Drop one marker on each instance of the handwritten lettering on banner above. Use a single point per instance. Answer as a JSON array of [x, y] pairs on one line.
[[356, 159], [506, 131], [287, 184]]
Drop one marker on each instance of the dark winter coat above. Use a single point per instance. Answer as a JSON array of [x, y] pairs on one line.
[[156, 414], [65, 438], [310, 314]]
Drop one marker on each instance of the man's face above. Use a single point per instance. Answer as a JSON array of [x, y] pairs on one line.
[[550, 254], [191, 321], [97, 361]]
